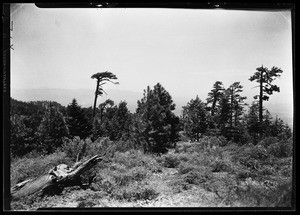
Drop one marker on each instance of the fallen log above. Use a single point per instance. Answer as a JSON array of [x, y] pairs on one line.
[[57, 178]]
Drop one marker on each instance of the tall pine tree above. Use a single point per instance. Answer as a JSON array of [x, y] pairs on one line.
[[265, 77], [236, 102], [215, 95]]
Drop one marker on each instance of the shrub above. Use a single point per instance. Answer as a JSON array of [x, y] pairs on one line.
[[187, 147], [186, 167], [283, 148], [106, 185], [192, 173], [134, 192], [205, 143], [183, 136], [182, 147], [223, 185], [256, 194], [243, 174], [267, 170], [125, 145], [132, 175], [72, 147], [201, 159], [171, 160], [266, 142], [88, 199], [209, 141], [221, 165], [287, 171], [197, 177], [284, 191], [251, 157], [125, 168], [117, 167], [179, 184], [184, 157], [258, 152], [99, 146], [222, 141], [134, 158]]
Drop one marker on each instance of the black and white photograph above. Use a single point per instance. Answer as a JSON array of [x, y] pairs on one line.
[[171, 106]]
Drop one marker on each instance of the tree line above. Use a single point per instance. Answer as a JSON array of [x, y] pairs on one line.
[[45, 125]]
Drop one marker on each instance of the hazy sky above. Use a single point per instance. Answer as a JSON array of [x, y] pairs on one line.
[[186, 50]]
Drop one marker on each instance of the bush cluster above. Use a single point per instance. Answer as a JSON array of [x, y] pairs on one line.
[[135, 191]]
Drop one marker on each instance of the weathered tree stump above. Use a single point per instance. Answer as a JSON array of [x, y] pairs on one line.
[[57, 178]]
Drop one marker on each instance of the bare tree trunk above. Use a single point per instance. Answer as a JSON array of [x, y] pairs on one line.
[[261, 104], [261, 98], [231, 108], [96, 96], [59, 176]]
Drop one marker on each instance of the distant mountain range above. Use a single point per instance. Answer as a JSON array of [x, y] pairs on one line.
[[85, 98]]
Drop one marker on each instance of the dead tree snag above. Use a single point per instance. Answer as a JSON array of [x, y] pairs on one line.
[[57, 178]]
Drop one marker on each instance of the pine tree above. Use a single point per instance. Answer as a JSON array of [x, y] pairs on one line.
[[158, 124], [280, 130], [215, 95], [252, 121], [21, 140], [113, 121], [52, 130], [265, 77], [102, 78], [267, 124], [77, 122], [194, 117], [122, 121], [225, 112], [236, 102]]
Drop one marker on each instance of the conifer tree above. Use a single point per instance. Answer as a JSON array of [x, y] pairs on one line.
[[77, 123], [102, 78], [122, 121], [265, 77], [194, 117], [52, 130], [158, 124], [215, 95], [114, 122], [225, 112], [21, 140], [236, 102], [252, 121]]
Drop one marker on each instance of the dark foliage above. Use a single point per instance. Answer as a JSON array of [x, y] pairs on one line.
[[156, 124], [113, 121], [195, 118], [52, 130], [78, 124]]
